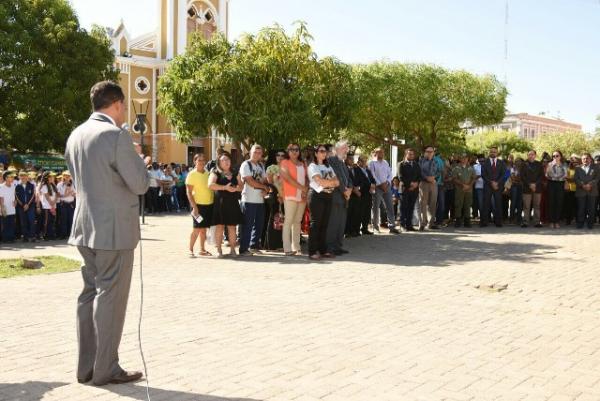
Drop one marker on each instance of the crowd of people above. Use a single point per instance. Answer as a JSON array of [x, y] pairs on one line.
[[35, 205], [331, 195], [328, 195]]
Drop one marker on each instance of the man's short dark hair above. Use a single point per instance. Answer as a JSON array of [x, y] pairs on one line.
[[104, 94]]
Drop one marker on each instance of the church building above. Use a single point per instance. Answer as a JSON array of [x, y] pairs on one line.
[[143, 59]]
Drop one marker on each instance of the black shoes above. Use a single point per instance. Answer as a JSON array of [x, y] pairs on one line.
[[394, 231]]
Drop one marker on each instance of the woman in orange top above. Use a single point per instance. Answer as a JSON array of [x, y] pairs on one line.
[[295, 188]]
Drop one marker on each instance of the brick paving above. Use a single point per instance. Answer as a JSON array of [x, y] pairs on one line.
[[397, 319]]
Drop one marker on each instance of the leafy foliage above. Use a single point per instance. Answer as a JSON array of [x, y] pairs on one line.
[[507, 142], [567, 142], [423, 104], [268, 88], [48, 64]]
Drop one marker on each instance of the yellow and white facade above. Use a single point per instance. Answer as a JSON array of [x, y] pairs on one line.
[[142, 60]]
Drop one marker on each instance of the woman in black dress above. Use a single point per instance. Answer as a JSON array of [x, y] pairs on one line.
[[226, 208]]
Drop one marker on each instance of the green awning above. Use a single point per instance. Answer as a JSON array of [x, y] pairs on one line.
[[46, 161]]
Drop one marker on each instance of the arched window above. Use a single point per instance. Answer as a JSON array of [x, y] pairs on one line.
[[201, 18]]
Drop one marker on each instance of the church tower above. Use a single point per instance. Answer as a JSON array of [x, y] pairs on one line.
[[179, 18], [143, 60]]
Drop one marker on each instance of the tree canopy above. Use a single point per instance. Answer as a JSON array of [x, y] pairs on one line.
[[48, 64], [423, 104], [567, 142], [507, 142], [269, 88]]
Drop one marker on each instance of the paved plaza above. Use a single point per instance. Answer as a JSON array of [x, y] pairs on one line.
[[399, 319]]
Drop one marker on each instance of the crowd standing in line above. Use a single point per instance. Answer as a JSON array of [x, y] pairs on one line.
[[327, 194]]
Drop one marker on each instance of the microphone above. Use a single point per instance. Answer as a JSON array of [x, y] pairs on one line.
[[125, 127]]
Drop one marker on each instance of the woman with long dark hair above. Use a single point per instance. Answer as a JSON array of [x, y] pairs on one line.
[[48, 196], [322, 183], [556, 172], [227, 213]]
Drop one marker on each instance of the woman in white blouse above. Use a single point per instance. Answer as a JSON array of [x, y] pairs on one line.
[[322, 182], [556, 172]]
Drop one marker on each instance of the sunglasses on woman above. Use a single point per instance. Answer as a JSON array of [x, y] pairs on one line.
[[294, 150]]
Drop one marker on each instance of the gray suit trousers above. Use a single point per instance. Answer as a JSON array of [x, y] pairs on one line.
[[101, 311], [336, 226]]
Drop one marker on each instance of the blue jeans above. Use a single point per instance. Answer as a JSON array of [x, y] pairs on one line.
[[66, 218], [27, 219], [254, 219], [175, 197], [9, 228], [441, 205]]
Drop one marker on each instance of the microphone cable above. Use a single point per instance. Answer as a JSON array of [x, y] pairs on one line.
[[140, 323]]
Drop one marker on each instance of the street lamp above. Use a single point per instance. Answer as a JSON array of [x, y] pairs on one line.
[[140, 108]]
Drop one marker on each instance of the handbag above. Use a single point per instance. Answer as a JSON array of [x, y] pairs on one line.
[[278, 220]]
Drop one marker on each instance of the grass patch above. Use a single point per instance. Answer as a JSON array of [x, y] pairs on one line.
[[52, 264]]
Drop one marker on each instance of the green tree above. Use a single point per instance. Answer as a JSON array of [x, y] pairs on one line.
[[48, 64], [507, 142], [269, 88], [423, 104], [567, 142]]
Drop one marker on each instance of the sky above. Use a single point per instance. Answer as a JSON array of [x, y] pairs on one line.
[[553, 63]]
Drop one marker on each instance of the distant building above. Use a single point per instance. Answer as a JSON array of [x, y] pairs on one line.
[[530, 127], [142, 60]]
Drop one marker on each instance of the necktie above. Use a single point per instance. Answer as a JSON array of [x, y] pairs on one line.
[[494, 167]]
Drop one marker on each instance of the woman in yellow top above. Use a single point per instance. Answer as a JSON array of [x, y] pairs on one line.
[[201, 199]]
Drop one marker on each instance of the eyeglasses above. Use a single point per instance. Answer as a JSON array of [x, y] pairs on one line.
[[429, 151], [555, 156], [294, 150], [280, 154], [322, 151]]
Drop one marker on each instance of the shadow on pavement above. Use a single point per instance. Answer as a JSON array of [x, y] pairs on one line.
[[424, 250], [35, 391], [28, 391], [138, 392]]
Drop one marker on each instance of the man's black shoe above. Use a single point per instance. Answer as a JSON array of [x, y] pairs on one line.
[[367, 233], [434, 227], [468, 225], [457, 224], [539, 225], [523, 225], [483, 225], [499, 225], [343, 251], [394, 231], [410, 228]]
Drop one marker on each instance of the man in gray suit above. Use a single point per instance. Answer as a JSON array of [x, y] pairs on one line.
[[586, 178], [337, 218], [108, 176]]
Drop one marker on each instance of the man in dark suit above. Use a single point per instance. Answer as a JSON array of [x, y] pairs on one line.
[[492, 172], [586, 178], [410, 176], [340, 197], [25, 196], [108, 176], [365, 182]]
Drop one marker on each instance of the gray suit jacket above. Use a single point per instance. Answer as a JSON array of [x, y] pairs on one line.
[[591, 177], [343, 175], [108, 175]]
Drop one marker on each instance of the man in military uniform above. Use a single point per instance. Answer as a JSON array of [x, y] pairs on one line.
[[463, 176]]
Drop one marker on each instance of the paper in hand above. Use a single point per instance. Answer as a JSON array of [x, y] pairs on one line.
[[197, 217]]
